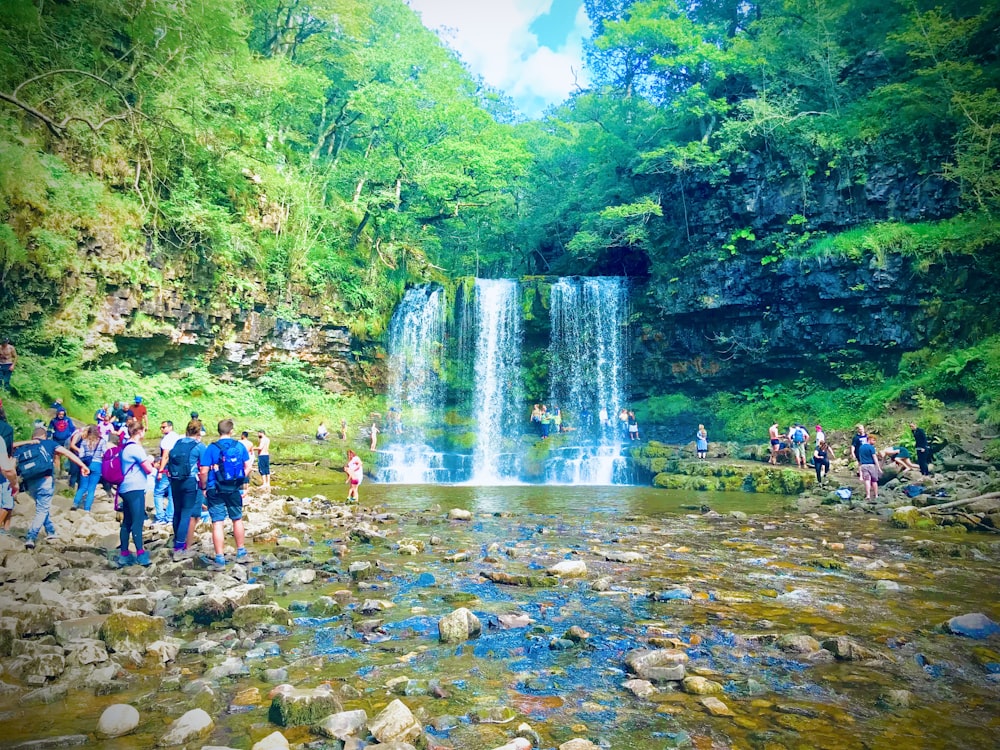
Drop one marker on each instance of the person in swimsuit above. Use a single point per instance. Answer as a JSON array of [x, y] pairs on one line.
[[355, 473], [775, 443]]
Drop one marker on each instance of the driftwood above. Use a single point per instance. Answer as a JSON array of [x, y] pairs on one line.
[[959, 503]]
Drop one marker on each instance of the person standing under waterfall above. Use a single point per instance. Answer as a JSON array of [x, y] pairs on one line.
[[355, 473], [701, 442], [633, 426], [374, 434]]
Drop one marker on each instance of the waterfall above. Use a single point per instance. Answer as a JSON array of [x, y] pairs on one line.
[[416, 395], [497, 403], [587, 377]]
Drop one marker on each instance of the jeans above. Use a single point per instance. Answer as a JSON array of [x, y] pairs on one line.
[[41, 489], [84, 497], [186, 495], [924, 460], [163, 502], [133, 504]]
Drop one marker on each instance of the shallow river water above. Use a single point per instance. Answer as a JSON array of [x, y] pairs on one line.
[[777, 572]]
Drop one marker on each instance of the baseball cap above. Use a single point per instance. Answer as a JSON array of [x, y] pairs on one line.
[[138, 399]]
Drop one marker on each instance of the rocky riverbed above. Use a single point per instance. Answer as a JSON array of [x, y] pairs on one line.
[[519, 618]]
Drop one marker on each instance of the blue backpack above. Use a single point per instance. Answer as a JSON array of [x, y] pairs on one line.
[[33, 461], [799, 436], [230, 472]]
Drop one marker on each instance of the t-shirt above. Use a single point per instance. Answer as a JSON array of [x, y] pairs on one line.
[[6, 462], [139, 412], [210, 457], [168, 441], [135, 478], [866, 453], [93, 455]]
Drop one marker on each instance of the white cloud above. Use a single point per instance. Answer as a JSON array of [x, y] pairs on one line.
[[494, 38]]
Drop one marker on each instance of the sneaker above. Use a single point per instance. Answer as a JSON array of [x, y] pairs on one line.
[[123, 561], [143, 559], [242, 556], [74, 508], [29, 543], [219, 563]]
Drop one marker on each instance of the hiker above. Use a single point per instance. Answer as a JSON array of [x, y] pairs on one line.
[[140, 413], [374, 434], [8, 473], [923, 448], [900, 457], [135, 466], [8, 359], [91, 449], [775, 439], [799, 438], [223, 470], [60, 430], [163, 496], [355, 473], [859, 439], [821, 461], [118, 415], [870, 469], [322, 433], [263, 450], [633, 427], [74, 445], [182, 460], [36, 467], [701, 442], [201, 427]]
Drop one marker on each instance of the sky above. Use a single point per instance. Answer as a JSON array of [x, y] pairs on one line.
[[530, 49]]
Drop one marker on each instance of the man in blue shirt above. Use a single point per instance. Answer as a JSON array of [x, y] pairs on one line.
[[222, 471], [870, 470]]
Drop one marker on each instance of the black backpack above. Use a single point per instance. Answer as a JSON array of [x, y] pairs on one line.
[[179, 460]]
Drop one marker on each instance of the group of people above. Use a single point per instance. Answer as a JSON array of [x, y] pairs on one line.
[[190, 479], [544, 421], [863, 451]]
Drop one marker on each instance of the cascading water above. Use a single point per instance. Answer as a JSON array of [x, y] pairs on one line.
[[416, 394], [587, 377], [497, 401]]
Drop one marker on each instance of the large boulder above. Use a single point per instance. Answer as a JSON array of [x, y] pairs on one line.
[[131, 631], [973, 625], [193, 725], [299, 706], [342, 725], [395, 724]]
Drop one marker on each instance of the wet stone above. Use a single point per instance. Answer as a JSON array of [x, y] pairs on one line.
[[657, 665], [975, 625], [715, 706], [696, 685]]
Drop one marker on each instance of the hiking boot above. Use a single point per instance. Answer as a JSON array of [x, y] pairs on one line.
[[124, 561], [219, 563], [143, 559]]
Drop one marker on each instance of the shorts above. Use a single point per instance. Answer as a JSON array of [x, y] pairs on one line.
[[264, 465], [869, 472], [6, 496], [799, 449], [355, 482], [223, 504], [775, 442]]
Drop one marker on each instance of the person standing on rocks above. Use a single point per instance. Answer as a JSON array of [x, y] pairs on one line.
[[91, 451], [8, 360], [355, 473], [923, 448], [137, 465], [799, 437], [775, 443], [140, 413], [870, 469], [821, 461], [701, 442], [859, 439], [223, 470], [163, 499], [263, 450], [182, 469], [35, 464], [8, 472]]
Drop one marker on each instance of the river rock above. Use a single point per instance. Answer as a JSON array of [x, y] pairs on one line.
[[518, 743], [10, 631], [798, 644], [847, 649], [231, 667], [578, 743], [342, 725], [131, 631], [273, 741], [460, 625], [75, 629], [254, 615], [896, 699], [624, 557], [89, 651], [973, 625], [117, 720], [657, 665], [395, 724], [189, 727], [33, 659], [568, 569], [715, 706], [165, 650], [299, 577], [459, 514], [640, 688], [292, 706], [885, 586], [907, 517], [696, 685], [361, 570]]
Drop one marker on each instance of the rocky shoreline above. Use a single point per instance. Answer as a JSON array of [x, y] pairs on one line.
[[364, 626]]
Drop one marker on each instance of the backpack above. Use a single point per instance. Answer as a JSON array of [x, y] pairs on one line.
[[179, 460], [799, 436], [230, 471], [112, 470], [33, 461]]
